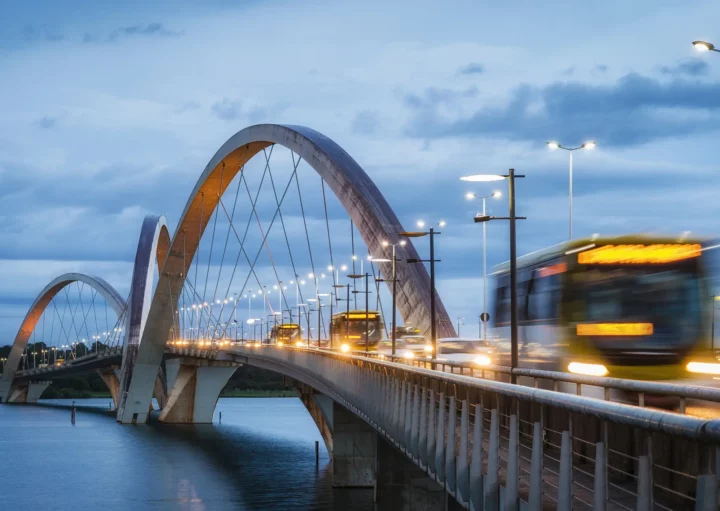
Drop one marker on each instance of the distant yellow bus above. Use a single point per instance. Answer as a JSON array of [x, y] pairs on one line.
[[286, 334], [349, 329]]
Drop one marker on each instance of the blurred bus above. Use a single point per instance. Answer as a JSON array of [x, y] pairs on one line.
[[288, 334], [349, 328], [628, 307], [407, 346]]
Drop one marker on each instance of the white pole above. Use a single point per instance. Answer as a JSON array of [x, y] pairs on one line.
[[484, 226], [571, 191]]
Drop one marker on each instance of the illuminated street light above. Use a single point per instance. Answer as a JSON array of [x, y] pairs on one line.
[[513, 262], [556, 145], [484, 316], [704, 46]]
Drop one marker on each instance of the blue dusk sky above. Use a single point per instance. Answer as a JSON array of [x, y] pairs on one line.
[[110, 111]]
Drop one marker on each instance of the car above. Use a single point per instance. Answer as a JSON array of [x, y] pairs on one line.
[[462, 350], [409, 346]]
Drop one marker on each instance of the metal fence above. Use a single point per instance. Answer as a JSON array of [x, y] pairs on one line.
[[493, 445]]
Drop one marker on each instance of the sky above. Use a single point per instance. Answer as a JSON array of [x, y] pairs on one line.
[[110, 111]]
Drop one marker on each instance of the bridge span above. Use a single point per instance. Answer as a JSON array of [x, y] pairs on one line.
[[424, 438]]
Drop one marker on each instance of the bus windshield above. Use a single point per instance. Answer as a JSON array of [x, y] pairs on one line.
[[669, 299], [287, 332], [357, 328]]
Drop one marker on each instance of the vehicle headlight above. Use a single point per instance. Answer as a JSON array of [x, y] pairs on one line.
[[428, 348], [281, 344], [299, 344], [408, 354], [587, 369], [482, 360], [703, 368], [344, 348], [257, 344]]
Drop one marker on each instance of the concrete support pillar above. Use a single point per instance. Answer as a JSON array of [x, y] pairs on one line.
[[111, 378], [194, 388], [354, 445], [27, 392], [402, 486], [320, 408]]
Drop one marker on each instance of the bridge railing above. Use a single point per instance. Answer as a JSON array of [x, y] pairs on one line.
[[637, 392], [487, 441]]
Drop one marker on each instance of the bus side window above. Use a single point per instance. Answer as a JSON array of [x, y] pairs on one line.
[[502, 303], [544, 298]]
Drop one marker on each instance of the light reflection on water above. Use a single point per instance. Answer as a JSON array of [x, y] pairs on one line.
[[262, 456]]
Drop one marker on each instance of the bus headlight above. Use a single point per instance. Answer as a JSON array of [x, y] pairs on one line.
[[482, 360], [344, 348], [280, 343], [408, 354], [587, 369], [299, 344], [428, 348], [257, 344], [703, 368]]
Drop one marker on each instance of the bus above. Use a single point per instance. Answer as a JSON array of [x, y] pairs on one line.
[[349, 329], [286, 334], [631, 307]]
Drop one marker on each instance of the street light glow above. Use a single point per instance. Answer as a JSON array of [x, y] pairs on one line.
[[344, 267], [403, 243], [420, 223], [589, 145], [553, 145], [483, 178], [496, 194], [703, 46], [384, 243], [470, 196], [442, 223]]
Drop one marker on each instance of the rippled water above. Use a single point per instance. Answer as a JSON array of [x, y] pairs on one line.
[[261, 457]]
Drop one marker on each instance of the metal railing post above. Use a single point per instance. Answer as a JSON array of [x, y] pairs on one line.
[[440, 442], [492, 490], [536, 469], [476, 463], [450, 468], [462, 482], [564, 497], [513, 474]]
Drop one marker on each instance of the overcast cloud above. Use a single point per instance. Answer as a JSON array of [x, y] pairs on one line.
[[111, 111]]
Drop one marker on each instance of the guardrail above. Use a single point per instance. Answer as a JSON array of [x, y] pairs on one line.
[[492, 444]]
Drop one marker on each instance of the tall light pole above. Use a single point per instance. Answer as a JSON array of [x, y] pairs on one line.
[[432, 233], [401, 243], [513, 256], [704, 46], [484, 316], [459, 319], [556, 145]]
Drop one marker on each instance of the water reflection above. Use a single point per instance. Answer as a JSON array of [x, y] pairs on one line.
[[261, 457]]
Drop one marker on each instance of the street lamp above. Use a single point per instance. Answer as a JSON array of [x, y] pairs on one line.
[[513, 257], [704, 46], [556, 145], [484, 316], [459, 319], [401, 243], [432, 233]]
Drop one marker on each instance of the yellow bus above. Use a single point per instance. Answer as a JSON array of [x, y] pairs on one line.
[[349, 330]]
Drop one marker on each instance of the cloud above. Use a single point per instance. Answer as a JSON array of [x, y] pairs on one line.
[[693, 67], [34, 33], [473, 68], [433, 97], [230, 110], [47, 122], [365, 123], [601, 68], [634, 110], [154, 29]]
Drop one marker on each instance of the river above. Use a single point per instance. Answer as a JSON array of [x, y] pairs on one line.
[[262, 457]]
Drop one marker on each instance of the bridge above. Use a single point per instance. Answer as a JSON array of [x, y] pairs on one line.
[[425, 435]]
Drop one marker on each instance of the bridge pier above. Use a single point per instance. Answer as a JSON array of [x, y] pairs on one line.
[[194, 387], [354, 449], [27, 392], [111, 378], [400, 485]]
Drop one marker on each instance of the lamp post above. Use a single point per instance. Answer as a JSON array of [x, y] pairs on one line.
[[459, 319], [513, 256], [367, 306], [432, 233], [401, 243], [704, 46], [484, 315], [571, 150]]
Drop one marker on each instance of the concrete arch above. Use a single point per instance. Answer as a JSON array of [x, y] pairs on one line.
[[113, 298], [360, 197], [153, 247]]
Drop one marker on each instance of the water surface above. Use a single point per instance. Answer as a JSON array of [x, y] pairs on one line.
[[262, 457]]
